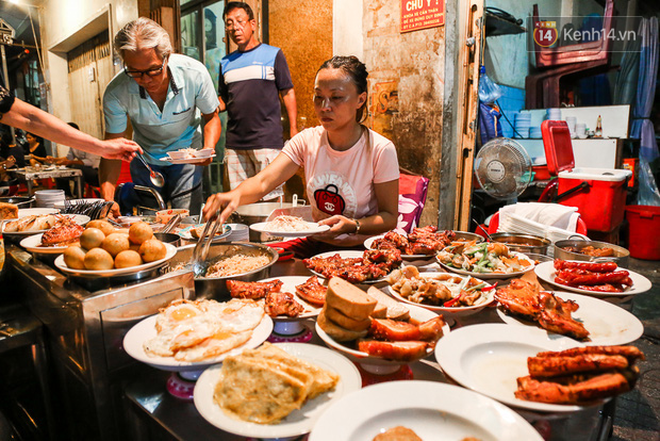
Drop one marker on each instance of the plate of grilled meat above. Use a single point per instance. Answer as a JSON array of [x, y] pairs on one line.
[[587, 319], [370, 266], [603, 279], [285, 298], [40, 223], [536, 370], [421, 243]]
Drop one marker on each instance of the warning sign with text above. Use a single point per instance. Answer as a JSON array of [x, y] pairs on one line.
[[422, 14]]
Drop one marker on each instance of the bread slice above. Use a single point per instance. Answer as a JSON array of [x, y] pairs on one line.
[[392, 309], [349, 299], [335, 331], [346, 322], [8, 211]]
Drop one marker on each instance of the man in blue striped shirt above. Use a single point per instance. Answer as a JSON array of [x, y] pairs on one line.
[[252, 78]]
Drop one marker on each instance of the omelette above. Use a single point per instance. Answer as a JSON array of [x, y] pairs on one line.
[[265, 385]]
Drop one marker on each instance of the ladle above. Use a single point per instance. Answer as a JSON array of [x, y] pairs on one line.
[[479, 227], [156, 178]]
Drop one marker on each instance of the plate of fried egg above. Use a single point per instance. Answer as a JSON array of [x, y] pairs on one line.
[[190, 335]]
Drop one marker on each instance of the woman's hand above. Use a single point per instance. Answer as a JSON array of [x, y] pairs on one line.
[[120, 148], [338, 225], [222, 203]]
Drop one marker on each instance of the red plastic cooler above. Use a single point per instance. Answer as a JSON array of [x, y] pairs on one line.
[[601, 201]]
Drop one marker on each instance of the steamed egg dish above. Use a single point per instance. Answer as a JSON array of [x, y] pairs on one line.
[[193, 331]]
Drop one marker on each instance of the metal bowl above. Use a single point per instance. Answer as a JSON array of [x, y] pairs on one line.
[[172, 238], [522, 243], [19, 201], [216, 287], [620, 257], [466, 236]]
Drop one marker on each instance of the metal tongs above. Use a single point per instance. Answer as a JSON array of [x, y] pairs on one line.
[[171, 224], [201, 251]]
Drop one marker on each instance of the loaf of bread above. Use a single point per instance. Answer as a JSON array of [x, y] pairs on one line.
[[8, 211], [335, 331], [349, 299], [387, 307], [345, 321]]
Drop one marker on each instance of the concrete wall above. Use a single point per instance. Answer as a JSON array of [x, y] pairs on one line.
[[406, 73], [63, 24]]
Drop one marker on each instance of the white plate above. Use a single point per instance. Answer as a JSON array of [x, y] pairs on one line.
[[417, 313], [186, 161], [492, 275], [298, 422], [314, 228], [607, 323], [368, 244], [80, 219], [488, 359], [454, 312], [59, 263], [546, 272], [289, 284], [433, 410], [185, 232], [146, 329], [344, 254], [33, 245]]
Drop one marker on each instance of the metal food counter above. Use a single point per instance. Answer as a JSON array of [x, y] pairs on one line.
[[107, 395]]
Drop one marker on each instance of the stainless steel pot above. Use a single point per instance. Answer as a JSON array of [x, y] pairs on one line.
[[467, 236], [620, 257], [216, 288], [523, 243], [258, 212]]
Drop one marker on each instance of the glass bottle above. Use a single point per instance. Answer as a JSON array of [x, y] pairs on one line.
[[598, 133]]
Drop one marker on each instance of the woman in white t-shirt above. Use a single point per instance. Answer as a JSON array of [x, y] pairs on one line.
[[351, 172]]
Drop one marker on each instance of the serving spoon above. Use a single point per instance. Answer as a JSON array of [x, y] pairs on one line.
[[156, 178]]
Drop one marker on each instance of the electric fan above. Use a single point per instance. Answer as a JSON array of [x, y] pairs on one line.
[[503, 168]]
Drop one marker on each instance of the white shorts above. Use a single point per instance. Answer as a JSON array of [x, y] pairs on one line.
[[243, 164]]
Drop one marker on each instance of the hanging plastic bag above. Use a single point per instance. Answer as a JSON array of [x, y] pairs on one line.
[[489, 123], [648, 193], [488, 90]]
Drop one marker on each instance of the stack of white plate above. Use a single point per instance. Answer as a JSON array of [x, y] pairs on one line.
[[48, 198], [523, 122], [553, 114]]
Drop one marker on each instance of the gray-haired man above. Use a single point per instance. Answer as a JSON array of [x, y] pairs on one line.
[[165, 96]]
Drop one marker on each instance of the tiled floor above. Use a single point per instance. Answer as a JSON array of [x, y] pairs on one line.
[[638, 412]]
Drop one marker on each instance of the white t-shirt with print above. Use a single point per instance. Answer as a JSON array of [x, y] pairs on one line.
[[343, 182]]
